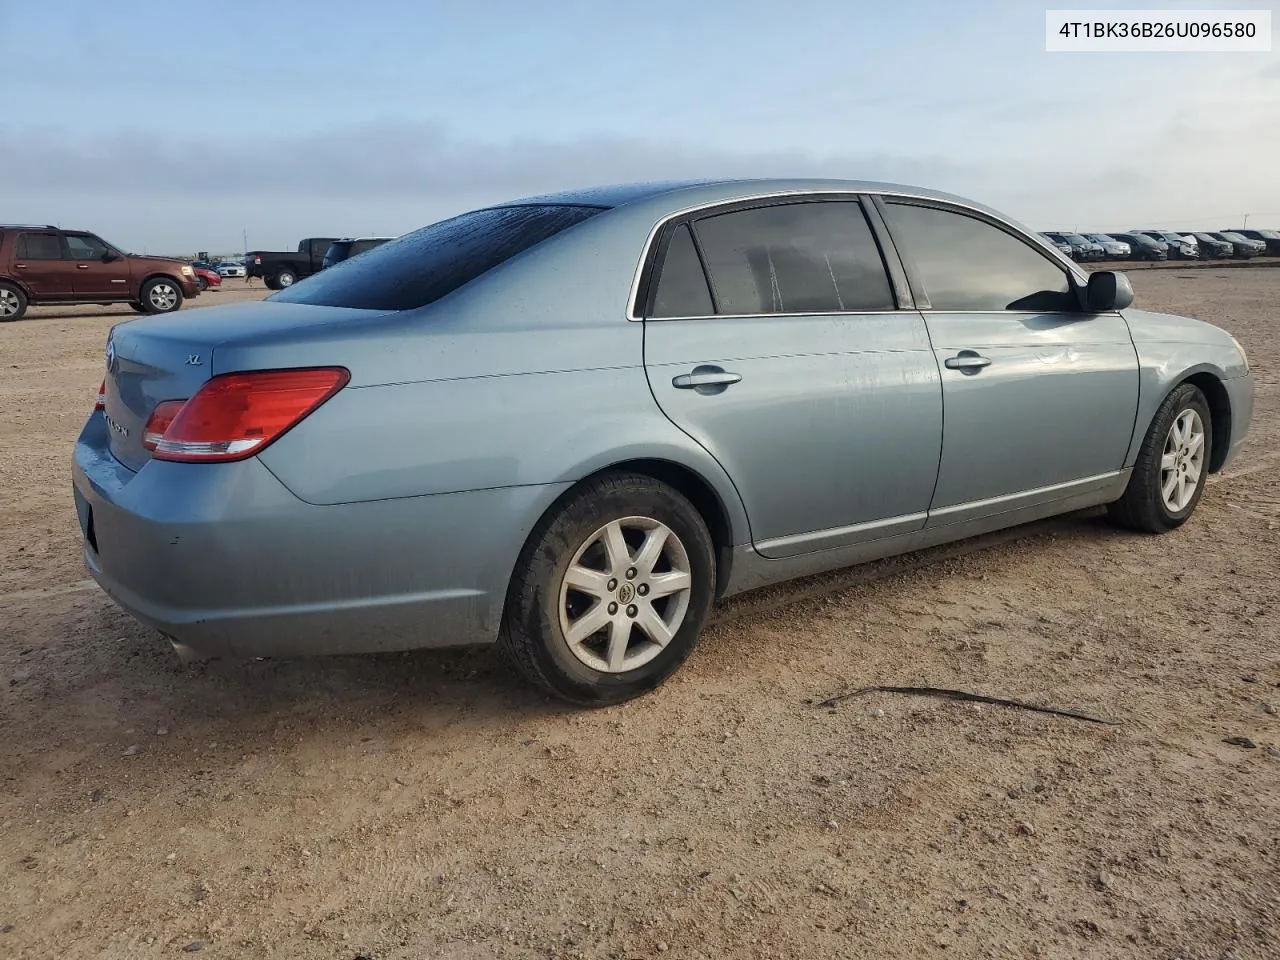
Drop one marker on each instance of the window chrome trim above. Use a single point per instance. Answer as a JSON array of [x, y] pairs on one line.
[[856, 193], [886, 312]]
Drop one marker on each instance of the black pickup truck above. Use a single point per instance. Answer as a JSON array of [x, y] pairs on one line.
[[280, 270]]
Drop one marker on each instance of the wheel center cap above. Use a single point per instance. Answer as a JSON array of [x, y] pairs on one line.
[[626, 592]]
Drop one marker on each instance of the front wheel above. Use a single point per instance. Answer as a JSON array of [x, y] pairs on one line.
[[13, 302], [1173, 464], [611, 592], [161, 295], [285, 278], [202, 283]]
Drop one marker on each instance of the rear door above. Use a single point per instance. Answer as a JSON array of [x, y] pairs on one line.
[[1040, 396], [95, 277], [39, 262], [789, 360]]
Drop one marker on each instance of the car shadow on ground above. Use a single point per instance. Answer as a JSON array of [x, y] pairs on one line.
[[108, 675]]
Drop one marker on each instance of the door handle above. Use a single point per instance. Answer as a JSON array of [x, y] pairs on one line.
[[82, 266], [967, 360], [706, 378], [19, 266]]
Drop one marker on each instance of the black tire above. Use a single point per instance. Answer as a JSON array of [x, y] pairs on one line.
[[532, 636], [283, 278], [13, 302], [153, 302], [1143, 505], [202, 283]]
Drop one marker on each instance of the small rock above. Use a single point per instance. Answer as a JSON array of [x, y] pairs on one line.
[[1273, 753], [1241, 742], [1270, 708], [662, 946], [195, 946], [172, 856], [96, 796], [1026, 829], [832, 825], [162, 731], [1102, 881], [1250, 678], [131, 750], [877, 713], [6, 927], [1013, 793]]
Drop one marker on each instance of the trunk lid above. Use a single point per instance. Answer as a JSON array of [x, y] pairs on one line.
[[169, 357]]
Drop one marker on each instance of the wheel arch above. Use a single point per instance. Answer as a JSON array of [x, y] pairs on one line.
[[725, 528], [1219, 401], [159, 275], [15, 282]]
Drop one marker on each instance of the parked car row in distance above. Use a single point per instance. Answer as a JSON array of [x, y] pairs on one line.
[[1166, 244]]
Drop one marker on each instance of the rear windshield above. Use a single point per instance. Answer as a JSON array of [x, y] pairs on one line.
[[423, 266]]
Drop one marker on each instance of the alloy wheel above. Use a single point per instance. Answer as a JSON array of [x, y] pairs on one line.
[[163, 296], [625, 594], [1182, 461]]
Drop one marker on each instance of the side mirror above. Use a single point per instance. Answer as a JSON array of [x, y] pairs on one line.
[[110, 257], [1108, 290]]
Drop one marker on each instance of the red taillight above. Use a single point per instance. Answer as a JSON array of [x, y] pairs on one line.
[[236, 415], [160, 420], [102, 397]]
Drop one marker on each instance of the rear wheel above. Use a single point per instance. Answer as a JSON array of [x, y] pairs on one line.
[[1172, 466], [285, 278], [161, 295], [611, 592], [13, 302]]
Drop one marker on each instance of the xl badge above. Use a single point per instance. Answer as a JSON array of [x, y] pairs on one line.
[[193, 360]]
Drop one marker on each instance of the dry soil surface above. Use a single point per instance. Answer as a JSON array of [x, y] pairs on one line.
[[428, 805]]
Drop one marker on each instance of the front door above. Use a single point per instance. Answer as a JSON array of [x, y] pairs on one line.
[[38, 262], [94, 276], [795, 369], [1039, 397]]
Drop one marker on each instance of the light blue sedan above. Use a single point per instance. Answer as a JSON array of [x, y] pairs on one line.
[[568, 424]]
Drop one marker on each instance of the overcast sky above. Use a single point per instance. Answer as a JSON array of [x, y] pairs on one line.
[[172, 127]]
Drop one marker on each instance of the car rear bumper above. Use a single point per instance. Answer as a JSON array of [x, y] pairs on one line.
[[225, 561]]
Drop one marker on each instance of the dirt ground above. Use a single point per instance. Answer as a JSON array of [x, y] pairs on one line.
[[428, 805]]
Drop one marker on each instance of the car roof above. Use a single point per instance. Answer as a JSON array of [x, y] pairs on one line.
[[698, 192]]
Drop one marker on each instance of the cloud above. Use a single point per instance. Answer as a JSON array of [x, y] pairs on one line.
[[161, 191]]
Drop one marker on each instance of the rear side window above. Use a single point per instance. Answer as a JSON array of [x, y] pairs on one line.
[[421, 267], [39, 246], [812, 257], [682, 286], [360, 246], [967, 264]]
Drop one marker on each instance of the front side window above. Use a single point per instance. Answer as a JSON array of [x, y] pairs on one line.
[[421, 267], [84, 247], [811, 257], [39, 246], [966, 264]]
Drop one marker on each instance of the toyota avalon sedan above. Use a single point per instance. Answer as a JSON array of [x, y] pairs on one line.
[[569, 424]]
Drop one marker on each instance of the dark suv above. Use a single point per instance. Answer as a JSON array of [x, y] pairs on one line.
[[45, 265], [347, 248]]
